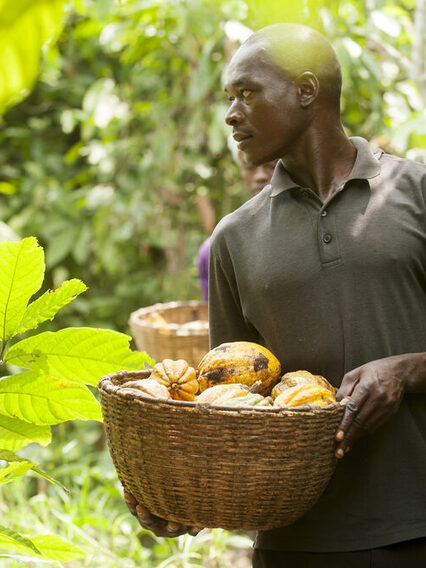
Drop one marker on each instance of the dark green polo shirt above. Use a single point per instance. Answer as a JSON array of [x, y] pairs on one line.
[[328, 287]]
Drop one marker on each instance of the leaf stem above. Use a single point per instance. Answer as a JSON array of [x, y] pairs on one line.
[[3, 348]]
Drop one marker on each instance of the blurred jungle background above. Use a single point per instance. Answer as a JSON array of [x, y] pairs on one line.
[[114, 154]]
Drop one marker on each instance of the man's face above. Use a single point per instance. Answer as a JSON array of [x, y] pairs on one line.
[[265, 112]]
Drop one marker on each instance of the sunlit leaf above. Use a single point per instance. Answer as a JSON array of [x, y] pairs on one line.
[[22, 273], [81, 355], [41, 399], [12, 458], [46, 547], [56, 548], [7, 188], [25, 27], [14, 470], [11, 540], [16, 433], [47, 306]]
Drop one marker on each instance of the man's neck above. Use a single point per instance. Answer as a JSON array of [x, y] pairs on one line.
[[323, 163]]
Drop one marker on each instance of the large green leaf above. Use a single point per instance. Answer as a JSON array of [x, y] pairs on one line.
[[11, 540], [47, 306], [15, 433], [25, 27], [77, 354], [22, 273], [40, 399]]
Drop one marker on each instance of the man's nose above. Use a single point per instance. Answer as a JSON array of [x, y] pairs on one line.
[[234, 114]]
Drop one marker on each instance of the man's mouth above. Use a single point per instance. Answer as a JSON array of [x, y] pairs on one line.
[[242, 140], [240, 136]]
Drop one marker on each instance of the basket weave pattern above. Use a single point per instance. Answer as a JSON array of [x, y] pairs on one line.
[[178, 343], [238, 469]]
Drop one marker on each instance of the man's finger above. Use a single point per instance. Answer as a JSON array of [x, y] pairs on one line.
[[351, 410], [349, 382], [130, 502], [358, 426]]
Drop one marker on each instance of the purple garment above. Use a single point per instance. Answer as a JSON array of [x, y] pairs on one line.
[[203, 267]]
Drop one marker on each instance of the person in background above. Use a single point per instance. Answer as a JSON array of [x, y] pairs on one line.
[[255, 178]]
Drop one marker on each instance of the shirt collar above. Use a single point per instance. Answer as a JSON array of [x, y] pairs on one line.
[[366, 166]]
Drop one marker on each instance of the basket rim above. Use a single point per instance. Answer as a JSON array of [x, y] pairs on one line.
[[107, 385], [136, 321], [167, 306]]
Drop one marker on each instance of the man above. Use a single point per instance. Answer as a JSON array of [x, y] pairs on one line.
[[255, 178], [326, 267]]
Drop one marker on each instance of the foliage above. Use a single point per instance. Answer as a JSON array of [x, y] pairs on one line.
[[25, 28], [53, 387]]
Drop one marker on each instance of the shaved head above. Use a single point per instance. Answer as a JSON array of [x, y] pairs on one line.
[[295, 49]]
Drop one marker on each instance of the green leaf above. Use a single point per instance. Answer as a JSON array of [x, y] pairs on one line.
[[78, 354], [11, 457], [56, 548], [15, 433], [11, 540], [14, 470], [47, 547], [25, 27], [40, 399], [49, 304], [22, 273]]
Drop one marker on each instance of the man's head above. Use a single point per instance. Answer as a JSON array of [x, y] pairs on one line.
[[280, 82]]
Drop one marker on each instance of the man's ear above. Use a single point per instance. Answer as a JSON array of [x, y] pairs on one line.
[[308, 88]]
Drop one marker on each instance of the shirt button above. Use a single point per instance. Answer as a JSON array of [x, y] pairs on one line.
[[327, 238], [323, 213]]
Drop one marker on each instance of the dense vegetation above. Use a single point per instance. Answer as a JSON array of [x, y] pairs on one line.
[[118, 162]]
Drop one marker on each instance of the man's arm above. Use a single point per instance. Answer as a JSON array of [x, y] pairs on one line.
[[376, 390]]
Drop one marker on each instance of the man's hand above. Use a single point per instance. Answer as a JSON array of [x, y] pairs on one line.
[[375, 391], [160, 527]]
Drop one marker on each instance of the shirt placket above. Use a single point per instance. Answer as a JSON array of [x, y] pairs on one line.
[[327, 235]]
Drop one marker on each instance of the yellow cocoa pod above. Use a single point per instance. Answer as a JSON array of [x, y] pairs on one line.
[[239, 362], [300, 378], [178, 377], [221, 393], [148, 387], [305, 394]]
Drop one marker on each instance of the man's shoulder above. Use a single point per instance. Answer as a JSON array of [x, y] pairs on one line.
[[243, 216], [414, 168]]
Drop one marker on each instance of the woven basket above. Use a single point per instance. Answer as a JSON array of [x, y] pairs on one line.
[[235, 468], [175, 342]]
